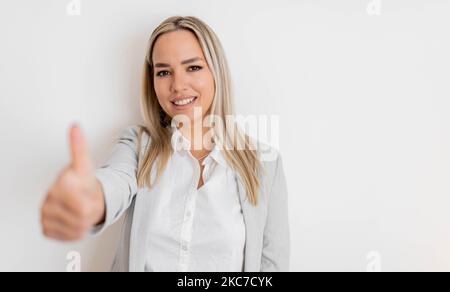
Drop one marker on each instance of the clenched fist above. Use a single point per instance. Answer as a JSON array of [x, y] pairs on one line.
[[75, 203]]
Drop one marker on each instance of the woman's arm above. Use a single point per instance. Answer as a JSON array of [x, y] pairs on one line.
[[276, 242], [118, 177]]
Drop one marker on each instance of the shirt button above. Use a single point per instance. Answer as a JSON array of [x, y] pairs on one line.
[[184, 247], [188, 214]]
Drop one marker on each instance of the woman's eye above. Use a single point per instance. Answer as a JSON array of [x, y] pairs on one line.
[[162, 73], [196, 68], [191, 69]]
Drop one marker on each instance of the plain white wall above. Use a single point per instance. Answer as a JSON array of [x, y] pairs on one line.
[[363, 98]]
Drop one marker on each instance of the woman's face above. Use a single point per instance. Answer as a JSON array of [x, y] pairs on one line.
[[182, 78]]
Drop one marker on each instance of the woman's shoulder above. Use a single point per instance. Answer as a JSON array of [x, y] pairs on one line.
[[130, 132], [269, 157], [267, 153], [135, 135]]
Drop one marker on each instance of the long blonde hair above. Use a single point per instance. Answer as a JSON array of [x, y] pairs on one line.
[[244, 160]]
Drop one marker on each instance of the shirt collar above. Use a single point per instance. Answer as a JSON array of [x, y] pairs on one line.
[[182, 145]]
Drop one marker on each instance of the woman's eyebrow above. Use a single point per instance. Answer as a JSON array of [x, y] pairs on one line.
[[191, 60]]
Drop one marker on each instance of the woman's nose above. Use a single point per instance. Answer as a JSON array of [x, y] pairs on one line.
[[179, 82]]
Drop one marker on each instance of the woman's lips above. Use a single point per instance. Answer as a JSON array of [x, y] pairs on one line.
[[185, 105]]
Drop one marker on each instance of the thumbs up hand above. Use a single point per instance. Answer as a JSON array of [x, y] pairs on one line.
[[75, 203]]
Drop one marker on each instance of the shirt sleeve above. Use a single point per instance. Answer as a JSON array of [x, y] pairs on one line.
[[276, 239], [118, 177]]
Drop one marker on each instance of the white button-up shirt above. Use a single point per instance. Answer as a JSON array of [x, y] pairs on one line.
[[196, 229]]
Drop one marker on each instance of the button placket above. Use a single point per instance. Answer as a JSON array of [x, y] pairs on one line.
[[186, 232], [206, 172]]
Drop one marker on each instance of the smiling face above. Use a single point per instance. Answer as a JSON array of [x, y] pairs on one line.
[[182, 78]]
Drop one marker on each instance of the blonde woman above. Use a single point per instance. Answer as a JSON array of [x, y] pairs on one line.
[[195, 191]]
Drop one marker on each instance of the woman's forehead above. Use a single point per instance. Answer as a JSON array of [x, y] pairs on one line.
[[176, 46]]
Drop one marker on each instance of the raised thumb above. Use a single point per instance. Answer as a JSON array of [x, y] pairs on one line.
[[81, 161]]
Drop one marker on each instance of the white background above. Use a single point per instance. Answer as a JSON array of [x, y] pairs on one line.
[[363, 102]]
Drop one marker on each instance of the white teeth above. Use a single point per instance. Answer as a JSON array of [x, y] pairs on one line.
[[185, 101]]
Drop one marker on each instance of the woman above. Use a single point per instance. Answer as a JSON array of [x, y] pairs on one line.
[[196, 193]]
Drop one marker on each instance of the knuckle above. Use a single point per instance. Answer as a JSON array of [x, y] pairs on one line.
[[46, 225], [46, 232], [53, 194], [45, 210], [43, 221]]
